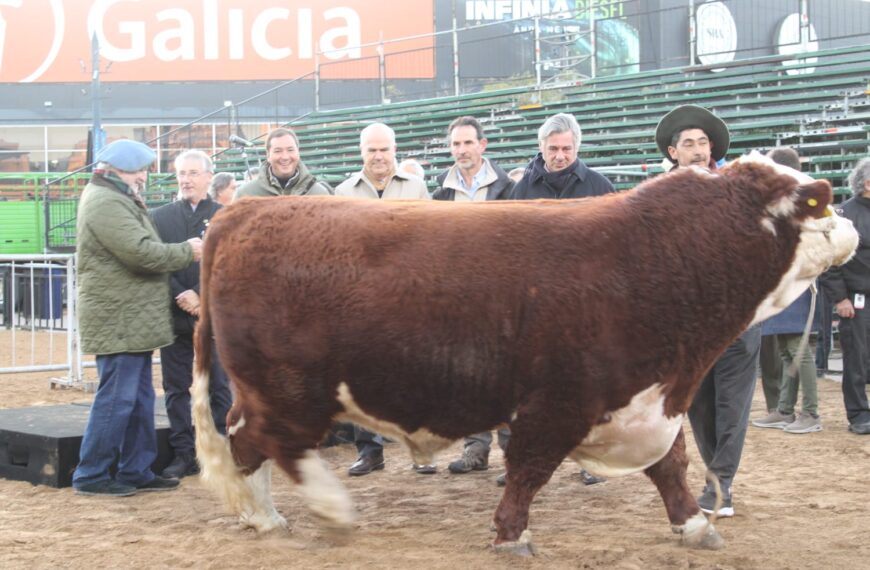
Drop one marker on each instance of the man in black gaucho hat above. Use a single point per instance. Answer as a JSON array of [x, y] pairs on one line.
[[693, 136]]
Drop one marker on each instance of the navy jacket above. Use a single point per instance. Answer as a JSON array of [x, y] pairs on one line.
[[793, 318], [584, 182]]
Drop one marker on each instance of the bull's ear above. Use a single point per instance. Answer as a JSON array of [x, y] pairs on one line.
[[814, 198]]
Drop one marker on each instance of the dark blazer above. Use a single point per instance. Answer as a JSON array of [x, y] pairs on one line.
[[583, 182], [176, 223]]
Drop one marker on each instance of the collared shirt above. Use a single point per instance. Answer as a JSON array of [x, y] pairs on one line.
[[476, 180]]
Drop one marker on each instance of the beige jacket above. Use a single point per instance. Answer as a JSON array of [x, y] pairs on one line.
[[401, 187]]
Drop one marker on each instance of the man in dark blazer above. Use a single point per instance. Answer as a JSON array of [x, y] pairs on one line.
[[176, 222]]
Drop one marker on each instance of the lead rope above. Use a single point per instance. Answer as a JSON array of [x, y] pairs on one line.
[[805, 338]]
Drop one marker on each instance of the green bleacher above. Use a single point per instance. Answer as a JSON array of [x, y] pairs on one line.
[[822, 112]]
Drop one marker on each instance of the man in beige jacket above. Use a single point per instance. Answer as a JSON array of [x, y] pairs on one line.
[[379, 178]]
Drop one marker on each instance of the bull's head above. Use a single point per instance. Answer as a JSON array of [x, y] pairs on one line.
[[826, 239]]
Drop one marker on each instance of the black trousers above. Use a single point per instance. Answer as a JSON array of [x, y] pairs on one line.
[[719, 413], [854, 337], [176, 362]]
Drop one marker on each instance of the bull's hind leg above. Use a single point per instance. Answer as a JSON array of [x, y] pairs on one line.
[[669, 476], [322, 491], [253, 500]]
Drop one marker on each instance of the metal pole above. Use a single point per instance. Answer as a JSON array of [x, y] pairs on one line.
[[692, 32], [538, 51], [382, 72], [455, 35], [97, 127], [592, 42], [317, 81]]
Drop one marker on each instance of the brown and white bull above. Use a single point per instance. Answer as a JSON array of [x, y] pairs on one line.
[[584, 325]]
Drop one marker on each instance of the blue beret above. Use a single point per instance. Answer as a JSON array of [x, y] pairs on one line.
[[127, 155]]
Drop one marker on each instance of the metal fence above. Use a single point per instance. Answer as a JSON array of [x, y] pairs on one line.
[[38, 320]]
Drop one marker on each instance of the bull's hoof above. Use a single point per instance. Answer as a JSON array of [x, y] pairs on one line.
[[522, 547], [334, 531], [338, 535], [699, 533], [264, 522]]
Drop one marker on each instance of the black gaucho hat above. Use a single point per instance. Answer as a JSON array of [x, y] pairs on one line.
[[693, 116]]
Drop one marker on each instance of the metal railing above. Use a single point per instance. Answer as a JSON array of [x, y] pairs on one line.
[[37, 307]]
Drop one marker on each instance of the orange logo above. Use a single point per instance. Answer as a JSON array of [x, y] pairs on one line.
[[198, 40]]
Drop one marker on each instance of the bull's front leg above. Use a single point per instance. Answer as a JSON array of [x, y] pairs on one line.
[[529, 466], [687, 520]]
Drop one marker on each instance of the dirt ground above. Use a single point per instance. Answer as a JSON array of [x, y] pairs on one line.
[[800, 500]]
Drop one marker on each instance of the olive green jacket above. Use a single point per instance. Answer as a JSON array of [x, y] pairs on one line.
[[265, 184], [123, 272]]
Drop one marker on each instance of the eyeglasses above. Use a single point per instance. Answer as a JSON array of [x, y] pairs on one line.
[[188, 173]]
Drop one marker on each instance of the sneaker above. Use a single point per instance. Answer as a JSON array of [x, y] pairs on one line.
[[183, 465], [159, 484], [774, 419], [860, 428], [472, 460], [707, 501], [805, 423], [106, 488], [428, 469]]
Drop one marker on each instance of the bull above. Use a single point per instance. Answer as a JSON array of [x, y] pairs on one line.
[[584, 325]]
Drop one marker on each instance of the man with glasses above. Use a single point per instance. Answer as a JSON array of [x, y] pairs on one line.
[[123, 282], [183, 219]]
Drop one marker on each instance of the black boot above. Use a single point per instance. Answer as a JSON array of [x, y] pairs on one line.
[[183, 465]]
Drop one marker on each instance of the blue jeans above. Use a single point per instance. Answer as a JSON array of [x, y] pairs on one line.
[[121, 423]]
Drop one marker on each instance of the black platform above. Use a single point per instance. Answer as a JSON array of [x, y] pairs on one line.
[[41, 444]]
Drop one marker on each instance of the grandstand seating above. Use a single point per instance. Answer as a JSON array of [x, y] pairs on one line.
[[821, 110]]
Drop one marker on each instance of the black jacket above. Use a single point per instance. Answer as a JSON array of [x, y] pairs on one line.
[[853, 277], [498, 190], [176, 223], [584, 182]]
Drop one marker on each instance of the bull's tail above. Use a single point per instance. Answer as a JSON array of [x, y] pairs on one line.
[[219, 469]]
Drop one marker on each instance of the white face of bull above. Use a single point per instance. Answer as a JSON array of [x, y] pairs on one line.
[[824, 242]]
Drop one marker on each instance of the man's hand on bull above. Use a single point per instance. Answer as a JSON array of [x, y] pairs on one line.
[[845, 309], [188, 301]]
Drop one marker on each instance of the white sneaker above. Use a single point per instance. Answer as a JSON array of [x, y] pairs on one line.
[[805, 423], [774, 419]]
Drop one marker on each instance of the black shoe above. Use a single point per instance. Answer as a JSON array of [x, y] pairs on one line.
[[159, 484], [472, 460], [365, 465], [860, 429], [588, 478], [501, 480], [183, 465], [106, 488], [428, 469]]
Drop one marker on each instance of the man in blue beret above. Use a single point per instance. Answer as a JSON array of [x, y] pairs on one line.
[[124, 315]]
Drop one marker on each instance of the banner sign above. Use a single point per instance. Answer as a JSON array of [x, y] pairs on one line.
[[203, 40]]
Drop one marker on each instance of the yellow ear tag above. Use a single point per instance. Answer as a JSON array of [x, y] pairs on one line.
[[829, 211], [813, 202]]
